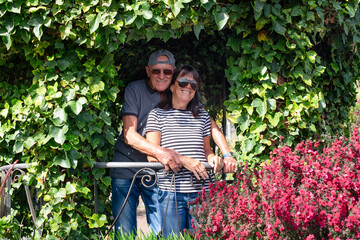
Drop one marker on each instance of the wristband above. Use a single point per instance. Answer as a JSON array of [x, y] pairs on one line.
[[229, 154]]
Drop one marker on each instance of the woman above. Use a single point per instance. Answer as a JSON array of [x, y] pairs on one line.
[[181, 124]]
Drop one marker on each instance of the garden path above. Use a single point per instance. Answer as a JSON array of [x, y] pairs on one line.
[[141, 218]]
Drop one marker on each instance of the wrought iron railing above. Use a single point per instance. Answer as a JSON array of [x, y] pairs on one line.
[[9, 175]]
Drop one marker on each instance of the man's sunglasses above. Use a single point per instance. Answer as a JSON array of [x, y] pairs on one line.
[[167, 72], [183, 82]]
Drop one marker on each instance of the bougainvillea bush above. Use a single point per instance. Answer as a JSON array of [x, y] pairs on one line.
[[305, 193]]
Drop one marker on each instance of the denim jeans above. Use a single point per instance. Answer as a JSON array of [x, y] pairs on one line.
[[127, 220], [172, 226]]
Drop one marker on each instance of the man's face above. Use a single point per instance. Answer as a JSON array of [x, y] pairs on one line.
[[160, 74]]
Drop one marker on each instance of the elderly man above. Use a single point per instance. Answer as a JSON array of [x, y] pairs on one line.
[[139, 99]]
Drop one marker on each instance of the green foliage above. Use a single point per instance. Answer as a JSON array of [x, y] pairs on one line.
[[64, 65]]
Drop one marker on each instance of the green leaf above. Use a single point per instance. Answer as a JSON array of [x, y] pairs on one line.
[[249, 145], [311, 55], [59, 117], [61, 193], [274, 119], [7, 41], [258, 127], [244, 121], [197, 29], [97, 221], [147, 14], [29, 143], [70, 188], [76, 106], [280, 29], [18, 146], [176, 8], [260, 106], [63, 161], [98, 173], [58, 133], [94, 22], [221, 19], [105, 116]]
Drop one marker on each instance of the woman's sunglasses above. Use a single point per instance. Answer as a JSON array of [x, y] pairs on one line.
[[167, 72], [183, 82]]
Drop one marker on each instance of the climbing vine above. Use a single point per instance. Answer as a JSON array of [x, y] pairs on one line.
[[289, 69]]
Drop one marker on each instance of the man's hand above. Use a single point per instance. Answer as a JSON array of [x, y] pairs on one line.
[[170, 159], [230, 165], [195, 166]]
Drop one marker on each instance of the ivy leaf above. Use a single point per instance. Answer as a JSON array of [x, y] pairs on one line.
[[274, 119], [260, 106], [94, 22], [63, 161], [258, 127], [105, 116], [280, 29], [311, 55], [147, 14], [18, 146], [249, 145], [244, 121], [29, 143], [7, 40], [58, 133], [59, 117], [197, 29], [176, 8], [76, 106], [61, 193], [221, 19], [70, 188], [97, 221]]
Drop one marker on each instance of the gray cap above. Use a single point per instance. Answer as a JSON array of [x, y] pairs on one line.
[[154, 56]]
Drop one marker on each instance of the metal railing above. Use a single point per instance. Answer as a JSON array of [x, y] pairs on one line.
[[8, 175]]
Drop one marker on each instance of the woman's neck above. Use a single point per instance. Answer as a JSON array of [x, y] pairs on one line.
[[177, 105]]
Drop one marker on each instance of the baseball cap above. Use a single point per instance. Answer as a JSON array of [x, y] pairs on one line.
[[154, 56]]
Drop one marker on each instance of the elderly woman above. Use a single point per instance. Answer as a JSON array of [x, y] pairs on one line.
[[180, 123]]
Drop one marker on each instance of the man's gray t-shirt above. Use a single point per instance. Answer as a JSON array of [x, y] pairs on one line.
[[139, 100]]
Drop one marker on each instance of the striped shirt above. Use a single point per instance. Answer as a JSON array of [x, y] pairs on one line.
[[184, 133]]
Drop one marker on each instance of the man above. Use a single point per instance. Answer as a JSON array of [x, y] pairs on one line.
[[139, 99]]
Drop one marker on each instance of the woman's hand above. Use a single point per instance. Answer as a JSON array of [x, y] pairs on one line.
[[216, 162], [230, 165], [195, 166]]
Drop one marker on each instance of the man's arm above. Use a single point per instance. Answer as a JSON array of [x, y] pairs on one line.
[[230, 164], [168, 157], [191, 164]]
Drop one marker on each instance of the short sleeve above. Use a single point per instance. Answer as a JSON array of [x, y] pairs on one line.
[[207, 126], [131, 103], [153, 122]]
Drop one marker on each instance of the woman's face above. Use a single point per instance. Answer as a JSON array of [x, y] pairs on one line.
[[183, 89]]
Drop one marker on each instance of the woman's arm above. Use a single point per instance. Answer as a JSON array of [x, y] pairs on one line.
[[230, 164], [193, 165], [215, 161]]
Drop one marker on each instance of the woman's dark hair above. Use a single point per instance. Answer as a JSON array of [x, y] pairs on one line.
[[194, 104]]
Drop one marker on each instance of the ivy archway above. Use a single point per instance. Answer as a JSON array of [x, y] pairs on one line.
[[290, 70]]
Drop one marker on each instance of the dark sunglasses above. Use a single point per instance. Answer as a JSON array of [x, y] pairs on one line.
[[183, 82], [167, 72]]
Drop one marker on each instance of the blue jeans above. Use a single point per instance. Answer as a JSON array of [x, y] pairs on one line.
[[127, 220], [172, 226]]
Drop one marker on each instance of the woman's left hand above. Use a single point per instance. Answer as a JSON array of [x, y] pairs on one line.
[[217, 163]]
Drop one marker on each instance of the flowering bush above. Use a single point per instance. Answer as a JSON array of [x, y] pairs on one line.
[[307, 193]]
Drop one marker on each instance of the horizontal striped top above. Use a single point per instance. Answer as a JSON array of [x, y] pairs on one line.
[[181, 131]]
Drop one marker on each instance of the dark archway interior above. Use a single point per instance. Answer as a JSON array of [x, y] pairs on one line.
[[207, 54]]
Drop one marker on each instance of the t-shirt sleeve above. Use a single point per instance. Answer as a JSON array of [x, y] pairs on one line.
[[153, 122], [207, 126], [131, 102]]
